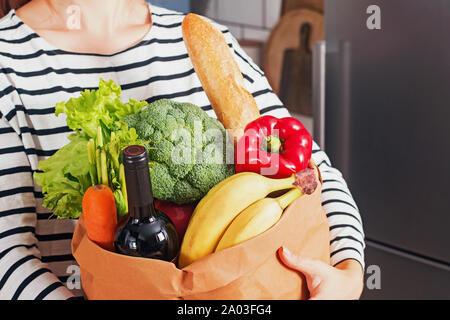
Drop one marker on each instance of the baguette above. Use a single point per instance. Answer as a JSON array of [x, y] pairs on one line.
[[219, 74]]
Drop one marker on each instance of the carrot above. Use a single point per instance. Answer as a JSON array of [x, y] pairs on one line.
[[100, 215]]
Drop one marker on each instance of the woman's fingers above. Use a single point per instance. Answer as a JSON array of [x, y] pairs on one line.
[[309, 267], [325, 282]]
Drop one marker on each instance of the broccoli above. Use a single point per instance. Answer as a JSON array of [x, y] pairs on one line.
[[187, 149]]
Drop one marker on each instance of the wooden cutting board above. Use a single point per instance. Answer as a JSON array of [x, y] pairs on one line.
[[286, 35]]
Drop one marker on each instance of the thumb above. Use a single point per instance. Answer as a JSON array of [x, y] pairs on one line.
[[309, 267]]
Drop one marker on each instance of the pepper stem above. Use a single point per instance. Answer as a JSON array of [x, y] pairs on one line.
[[273, 144]]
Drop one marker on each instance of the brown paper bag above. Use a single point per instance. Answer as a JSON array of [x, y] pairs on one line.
[[251, 270]]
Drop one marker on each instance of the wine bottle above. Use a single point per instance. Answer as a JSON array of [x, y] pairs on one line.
[[148, 233]]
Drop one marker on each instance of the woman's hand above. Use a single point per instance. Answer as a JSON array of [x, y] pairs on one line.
[[343, 282]]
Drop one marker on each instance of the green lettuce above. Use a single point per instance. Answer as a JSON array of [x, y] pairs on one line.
[[93, 154]]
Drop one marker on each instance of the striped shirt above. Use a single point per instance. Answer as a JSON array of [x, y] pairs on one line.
[[35, 254]]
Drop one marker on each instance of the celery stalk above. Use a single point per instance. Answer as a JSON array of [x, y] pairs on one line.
[[99, 137], [97, 162], [92, 161], [104, 168], [123, 185], [114, 150], [91, 151]]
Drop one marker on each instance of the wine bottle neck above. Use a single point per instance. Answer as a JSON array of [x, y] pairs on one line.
[[138, 184], [142, 212]]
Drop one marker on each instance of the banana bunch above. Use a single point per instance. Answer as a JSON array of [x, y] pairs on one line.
[[237, 209]]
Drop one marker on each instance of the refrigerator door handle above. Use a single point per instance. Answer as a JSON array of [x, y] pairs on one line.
[[318, 92]]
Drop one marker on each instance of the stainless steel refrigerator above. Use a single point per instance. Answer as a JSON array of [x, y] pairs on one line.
[[382, 112]]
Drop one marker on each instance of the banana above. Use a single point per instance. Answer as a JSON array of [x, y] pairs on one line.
[[256, 219], [219, 207]]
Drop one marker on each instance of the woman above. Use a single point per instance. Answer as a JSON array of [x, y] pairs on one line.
[[50, 50]]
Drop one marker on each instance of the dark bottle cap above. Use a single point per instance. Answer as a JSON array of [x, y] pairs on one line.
[[135, 156], [137, 177]]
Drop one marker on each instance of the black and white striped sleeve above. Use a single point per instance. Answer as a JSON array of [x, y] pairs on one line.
[[22, 273], [346, 230]]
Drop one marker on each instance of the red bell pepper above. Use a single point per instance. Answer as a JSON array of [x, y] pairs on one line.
[[273, 147]]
